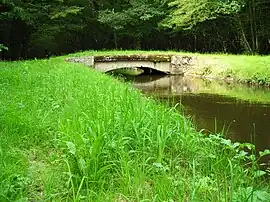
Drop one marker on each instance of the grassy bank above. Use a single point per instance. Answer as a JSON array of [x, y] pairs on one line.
[[240, 68], [72, 134]]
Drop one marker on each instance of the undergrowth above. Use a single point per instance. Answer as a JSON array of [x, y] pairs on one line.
[[73, 134]]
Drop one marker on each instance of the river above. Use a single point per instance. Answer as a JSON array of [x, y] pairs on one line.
[[238, 111]]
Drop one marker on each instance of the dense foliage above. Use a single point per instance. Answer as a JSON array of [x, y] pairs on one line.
[[44, 27]]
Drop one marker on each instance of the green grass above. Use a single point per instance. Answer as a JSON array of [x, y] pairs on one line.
[[243, 68], [72, 134]]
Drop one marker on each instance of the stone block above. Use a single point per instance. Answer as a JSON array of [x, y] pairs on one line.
[[180, 64]]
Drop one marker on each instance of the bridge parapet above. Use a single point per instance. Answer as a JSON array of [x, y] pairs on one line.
[[169, 64], [150, 58]]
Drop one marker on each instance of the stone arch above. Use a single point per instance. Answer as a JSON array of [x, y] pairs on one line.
[[109, 66]]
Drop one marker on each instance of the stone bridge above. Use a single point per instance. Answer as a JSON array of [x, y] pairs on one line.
[[169, 64]]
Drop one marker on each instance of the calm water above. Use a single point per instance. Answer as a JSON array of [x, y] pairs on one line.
[[242, 112]]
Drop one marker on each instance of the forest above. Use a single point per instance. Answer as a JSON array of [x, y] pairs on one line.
[[42, 28]]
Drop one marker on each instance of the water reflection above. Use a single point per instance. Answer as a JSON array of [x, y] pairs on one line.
[[241, 112]]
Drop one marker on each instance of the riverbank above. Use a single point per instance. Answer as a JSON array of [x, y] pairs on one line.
[[238, 68], [70, 133], [162, 85]]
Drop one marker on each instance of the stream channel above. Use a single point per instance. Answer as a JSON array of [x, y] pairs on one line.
[[239, 111]]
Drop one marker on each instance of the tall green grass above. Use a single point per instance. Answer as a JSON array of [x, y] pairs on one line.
[[243, 68], [69, 133]]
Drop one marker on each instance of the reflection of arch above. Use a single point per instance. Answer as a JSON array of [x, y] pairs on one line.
[[169, 84]]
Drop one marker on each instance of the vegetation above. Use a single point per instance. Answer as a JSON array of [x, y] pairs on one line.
[[2, 47], [242, 68], [54, 27], [70, 133]]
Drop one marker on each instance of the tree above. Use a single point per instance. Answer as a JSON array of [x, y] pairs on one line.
[[137, 17], [29, 17], [244, 16], [36, 28], [186, 14]]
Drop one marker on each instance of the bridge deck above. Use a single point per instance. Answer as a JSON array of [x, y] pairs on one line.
[[150, 58]]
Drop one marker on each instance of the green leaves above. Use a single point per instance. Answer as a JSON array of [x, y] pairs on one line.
[[188, 13], [264, 153], [36, 11], [71, 147], [133, 13], [259, 173], [250, 194], [73, 10], [2, 47], [114, 20]]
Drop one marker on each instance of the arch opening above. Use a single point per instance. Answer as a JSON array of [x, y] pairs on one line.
[[136, 71], [151, 71]]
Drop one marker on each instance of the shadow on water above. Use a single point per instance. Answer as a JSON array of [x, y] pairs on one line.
[[241, 112]]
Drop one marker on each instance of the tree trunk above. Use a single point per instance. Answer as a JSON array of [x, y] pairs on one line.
[[138, 44], [115, 40], [251, 21], [255, 26], [195, 43], [243, 36]]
